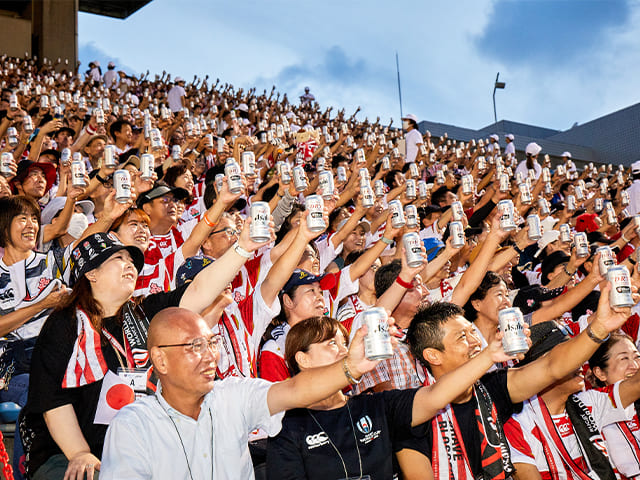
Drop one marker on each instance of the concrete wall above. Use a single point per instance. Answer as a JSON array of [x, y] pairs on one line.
[[55, 29], [15, 36]]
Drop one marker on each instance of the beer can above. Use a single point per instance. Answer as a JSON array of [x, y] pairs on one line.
[[6, 161], [546, 174], [122, 185], [378, 188], [248, 160], [363, 173], [321, 164], [514, 340], [314, 204], [397, 214], [525, 194], [413, 170], [219, 182], [457, 211], [341, 174], [234, 179], [412, 248], [359, 157], [506, 212], [612, 218], [620, 295], [377, 342], [299, 179], [411, 216], [548, 190], [110, 156], [27, 124], [456, 232], [220, 143], [598, 204], [325, 184], [565, 233], [579, 193], [543, 206], [44, 101], [560, 170], [619, 178], [423, 149], [505, 183], [571, 203], [386, 163], [582, 244], [607, 259], [422, 189], [99, 114], [285, 172], [78, 171], [482, 163], [326, 152], [624, 198], [604, 186], [12, 134], [519, 178], [147, 166], [535, 229], [410, 189], [366, 192], [440, 178], [155, 140], [467, 184], [259, 227], [65, 157]]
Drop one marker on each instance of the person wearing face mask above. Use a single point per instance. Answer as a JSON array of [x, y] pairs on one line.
[[412, 137]]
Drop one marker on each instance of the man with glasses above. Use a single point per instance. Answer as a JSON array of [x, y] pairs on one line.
[[196, 428]]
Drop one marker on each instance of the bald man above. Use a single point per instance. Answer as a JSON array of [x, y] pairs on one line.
[[196, 428]]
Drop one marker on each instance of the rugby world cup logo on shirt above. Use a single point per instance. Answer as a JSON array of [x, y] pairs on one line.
[[365, 426]]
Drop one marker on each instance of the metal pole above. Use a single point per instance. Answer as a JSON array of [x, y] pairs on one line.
[[495, 116], [399, 89]]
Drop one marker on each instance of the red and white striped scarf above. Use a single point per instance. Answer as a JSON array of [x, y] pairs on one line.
[[87, 364]]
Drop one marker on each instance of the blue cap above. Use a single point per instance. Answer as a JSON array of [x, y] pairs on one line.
[[190, 268], [433, 246]]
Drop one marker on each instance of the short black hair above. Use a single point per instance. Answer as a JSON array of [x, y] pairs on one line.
[[490, 280], [386, 275], [439, 195], [116, 127], [11, 207], [425, 330]]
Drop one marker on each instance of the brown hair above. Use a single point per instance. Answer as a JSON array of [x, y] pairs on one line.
[[11, 207], [602, 356], [82, 297], [122, 218], [307, 332]]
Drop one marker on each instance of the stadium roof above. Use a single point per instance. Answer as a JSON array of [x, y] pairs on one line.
[[113, 8], [613, 138]]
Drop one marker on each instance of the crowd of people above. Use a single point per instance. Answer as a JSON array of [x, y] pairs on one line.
[[188, 268]]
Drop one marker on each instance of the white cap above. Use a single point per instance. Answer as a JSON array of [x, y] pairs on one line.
[[509, 136], [410, 116], [178, 80], [635, 167], [533, 149], [243, 107], [111, 65], [566, 154], [494, 137], [96, 63], [548, 237], [57, 204]]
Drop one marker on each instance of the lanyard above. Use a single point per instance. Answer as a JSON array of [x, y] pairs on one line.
[[128, 354]]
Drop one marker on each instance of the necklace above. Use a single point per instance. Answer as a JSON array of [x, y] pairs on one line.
[[353, 430], [184, 450]]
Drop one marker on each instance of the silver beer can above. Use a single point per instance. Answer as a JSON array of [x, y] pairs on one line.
[[514, 340], [325, 184], [155, 140], [65, 157], [27, 124], [219, 181], [467, 184], [378, 188], [546, 174], [366, 192], [579, 193], [78, 171], [456, 232], [525, 194], [248, 160], [176, 153], [386, 163], [422, 190], [571, 203], [413, 170], [440, 178], [6, 160], [363, 173], [397, 214], [314, 204], [560, 170], [321, 164], [410, 189], [607, 259], [548, 189], [543, 206], [220, 145], [147, 166], [535, 229], [604, 186], [122, 185], [359, 157], [506, 212], [482, 163], [234, 179], [457, 211], [110, 156], [44, 101], [624, 198], [99, 114], [285, 172], [259, 228], [565, 233], [505, 183], [582, 244], [341, 174], [411, 215], [299, 179], [12, 134], [612, 218], [620, 295], [377, 342], [598, 205], [412, 249]]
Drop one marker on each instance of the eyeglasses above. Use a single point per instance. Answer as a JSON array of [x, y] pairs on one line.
[[231, 232], [167, 200], [199, 345]]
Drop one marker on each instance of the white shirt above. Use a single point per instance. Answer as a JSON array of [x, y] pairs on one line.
[[522, 168], [110, 79], [174, 98], [413, 139], [510, 149], [143, 442], [634, 198]]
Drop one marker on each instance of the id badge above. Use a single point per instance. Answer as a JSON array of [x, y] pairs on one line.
[[136, 378]]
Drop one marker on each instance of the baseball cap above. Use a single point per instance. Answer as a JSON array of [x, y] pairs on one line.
[[566, 154], [433, 246], [111, 65], [530, 298], [191, 267], [509, 136], [179, 79], [545, 336], [56, 204], [635, 167], [533, 149], [98, 137], [410, 116], [586, 223], [362, 223], [494, 136], [302, 277], [160, 191], [549, 236]]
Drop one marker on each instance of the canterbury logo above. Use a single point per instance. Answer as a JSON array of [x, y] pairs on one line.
[[317, 439]]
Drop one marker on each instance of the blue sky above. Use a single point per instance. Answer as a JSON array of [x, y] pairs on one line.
[[564, 61]]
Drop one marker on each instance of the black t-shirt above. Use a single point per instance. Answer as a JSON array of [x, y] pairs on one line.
[[495, 382], [49, 363], [303, 449]]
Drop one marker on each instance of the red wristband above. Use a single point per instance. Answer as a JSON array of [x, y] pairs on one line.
[[402, 283]]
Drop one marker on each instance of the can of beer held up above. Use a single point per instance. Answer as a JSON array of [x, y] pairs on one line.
[[341, 174], [410, 189], [607, 259], [325, 184], [378, 188], [457, 211], [467, 184], [78, 171], [65, 157], [571, 203], [397, 215], [315, 206], [598, 205], [535, 229], [505, 183], [514, 340], [122, 185], [412, 249], [422, 190], [582, 244], [147, 162], [248, 160], [377, 342], [456, 232], [411, 216], [413, 170], [6, 159], [299, 179], [565, 233], [525, 193], [234, 179], [543, 206], [367, 195], [110, 156], [506, 212], [259, 228], [620, 295]]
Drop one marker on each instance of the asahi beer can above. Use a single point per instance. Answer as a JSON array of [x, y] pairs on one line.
[[341, 174], [410, 189], [482, 163], [607, 259], [467, 184], [12, 133], [579, 194], [422, 190], [325, 184], [456, 232], [78, 172], [377, 342], [505, 183], [543, 206], [397, 214], [412, 248], [220, 144], [234, 179], [378, 188], [299, 179], [219, 181], [604, 186], [457, 211], [248, 160], [506, 212], [44, 101], [565, 233], [360, 156], [386, 163], [65, 157], [612, 218], [535, 229], [525, 193], [548, 190], [624, 198], [6, 160], [366, 192], [321, 164], [598, 204], [285, 172], [122, 185], [314, 204], [176, 153], [571, 203], [440, 178], [514, 340], [582, 244], [27, 124], [155, 140], [110, 156], [620, 295], [259, 228], [363, 173], [147, 164], [411, 216], [546, 174], [413, 170], [99, 114], [560, 170]]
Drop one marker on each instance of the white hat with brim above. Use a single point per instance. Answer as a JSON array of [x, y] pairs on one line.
[[533, 149], [410, 116]]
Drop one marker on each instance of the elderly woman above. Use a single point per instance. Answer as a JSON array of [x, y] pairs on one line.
[[93, 349]]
